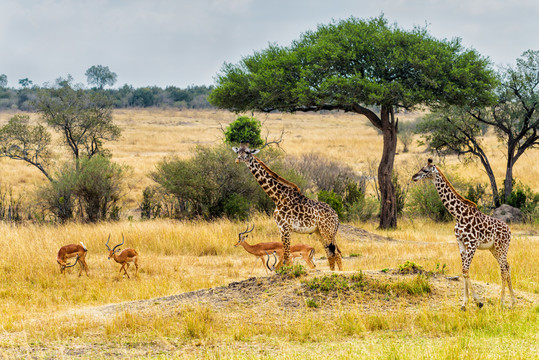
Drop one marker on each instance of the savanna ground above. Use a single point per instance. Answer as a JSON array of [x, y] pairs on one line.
[[197, 296]]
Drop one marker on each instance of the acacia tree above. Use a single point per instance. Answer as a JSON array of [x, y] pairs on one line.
[[100, 76], [514, 118], [355, 65]]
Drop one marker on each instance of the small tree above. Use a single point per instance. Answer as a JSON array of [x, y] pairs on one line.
[[100, 76], [98, 186], [3, 80], [244, 129], [25, 83], [83, 118]]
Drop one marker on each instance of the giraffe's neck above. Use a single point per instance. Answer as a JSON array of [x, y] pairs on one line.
[[453, 202], [269, 184]]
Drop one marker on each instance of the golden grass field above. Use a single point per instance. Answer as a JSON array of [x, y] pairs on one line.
[[46, 315]]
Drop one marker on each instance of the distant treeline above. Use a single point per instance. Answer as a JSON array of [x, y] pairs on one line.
[[193, 97]]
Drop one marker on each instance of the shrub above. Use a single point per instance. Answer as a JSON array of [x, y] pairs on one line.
[[425, 201], [321, 173], [333, 200], [210, 185], [244, 129], [98, 186]]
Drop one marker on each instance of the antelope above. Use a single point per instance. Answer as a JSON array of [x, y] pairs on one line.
[[124, 257], [261, 249], [69, 251]]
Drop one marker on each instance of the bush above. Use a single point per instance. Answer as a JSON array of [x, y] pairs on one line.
[[333, 200], [523, 198], [210, 185], [425, 201], [244, 129], [323, 174]]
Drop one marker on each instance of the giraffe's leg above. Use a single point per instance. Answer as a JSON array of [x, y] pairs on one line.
[[285, 238], [505, 272], [466, 254]]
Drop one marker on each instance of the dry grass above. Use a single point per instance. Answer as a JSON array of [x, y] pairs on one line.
[[40, 309], [150, 135]]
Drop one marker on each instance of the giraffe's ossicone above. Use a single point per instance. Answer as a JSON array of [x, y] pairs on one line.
[[293, 210], [473, 229]]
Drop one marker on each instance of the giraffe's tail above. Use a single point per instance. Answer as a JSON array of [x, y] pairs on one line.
[[331, 249]]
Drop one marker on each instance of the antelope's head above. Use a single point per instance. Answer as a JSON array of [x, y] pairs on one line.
[[427, 172], [243, 235], [244, 153], [115, 249]]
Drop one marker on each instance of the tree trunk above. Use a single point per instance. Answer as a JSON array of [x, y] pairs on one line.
[[508, 182], [388, 203], [493, 186]]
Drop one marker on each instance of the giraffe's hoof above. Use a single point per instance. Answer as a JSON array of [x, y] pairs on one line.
[[480, 304], [463, 308]]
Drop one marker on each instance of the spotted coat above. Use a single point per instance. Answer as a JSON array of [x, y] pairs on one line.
[[293, 210], [473, 230]]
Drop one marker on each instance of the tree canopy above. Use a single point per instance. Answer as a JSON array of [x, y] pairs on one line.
[[355, 65], [100, 76], [514, 117]]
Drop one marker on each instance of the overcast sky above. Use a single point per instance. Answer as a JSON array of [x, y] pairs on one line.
[[185, 42]]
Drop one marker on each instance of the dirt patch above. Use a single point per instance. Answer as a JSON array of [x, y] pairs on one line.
[[378, 291]]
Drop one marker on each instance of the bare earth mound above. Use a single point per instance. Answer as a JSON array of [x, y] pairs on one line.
[[366, 291]]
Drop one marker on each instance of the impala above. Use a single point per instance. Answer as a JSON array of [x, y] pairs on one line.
[[261, 249], [69, 251], [123, 257]]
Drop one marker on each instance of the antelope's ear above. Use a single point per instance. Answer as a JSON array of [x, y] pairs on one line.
[[236, 149], [254, 151]]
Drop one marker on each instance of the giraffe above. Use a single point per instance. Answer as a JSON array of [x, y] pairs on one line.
[[293, 210], [473, 230]]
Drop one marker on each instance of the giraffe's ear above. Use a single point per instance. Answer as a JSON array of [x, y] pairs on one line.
[[236, 149], [254, 151]]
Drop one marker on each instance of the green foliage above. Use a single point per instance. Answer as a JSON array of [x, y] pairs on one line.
[[244, 129], [3, 81], [210, 185], [100, 76], [410, 267], [311, 303], [355, 61], [425, 201], [99, 187], [57, 197], [236, 207], [150, 207], [525, 199], [401, 192], [333, 200], [336, 283], [292, 271], [94, 186], [84, 119], [21, 141]]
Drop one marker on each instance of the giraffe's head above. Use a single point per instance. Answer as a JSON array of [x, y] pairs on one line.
[[244, 153], [427, 172]]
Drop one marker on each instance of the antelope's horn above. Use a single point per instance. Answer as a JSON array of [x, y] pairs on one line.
[[75, 263], [272, 267], [107, 244], [123, 240]]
